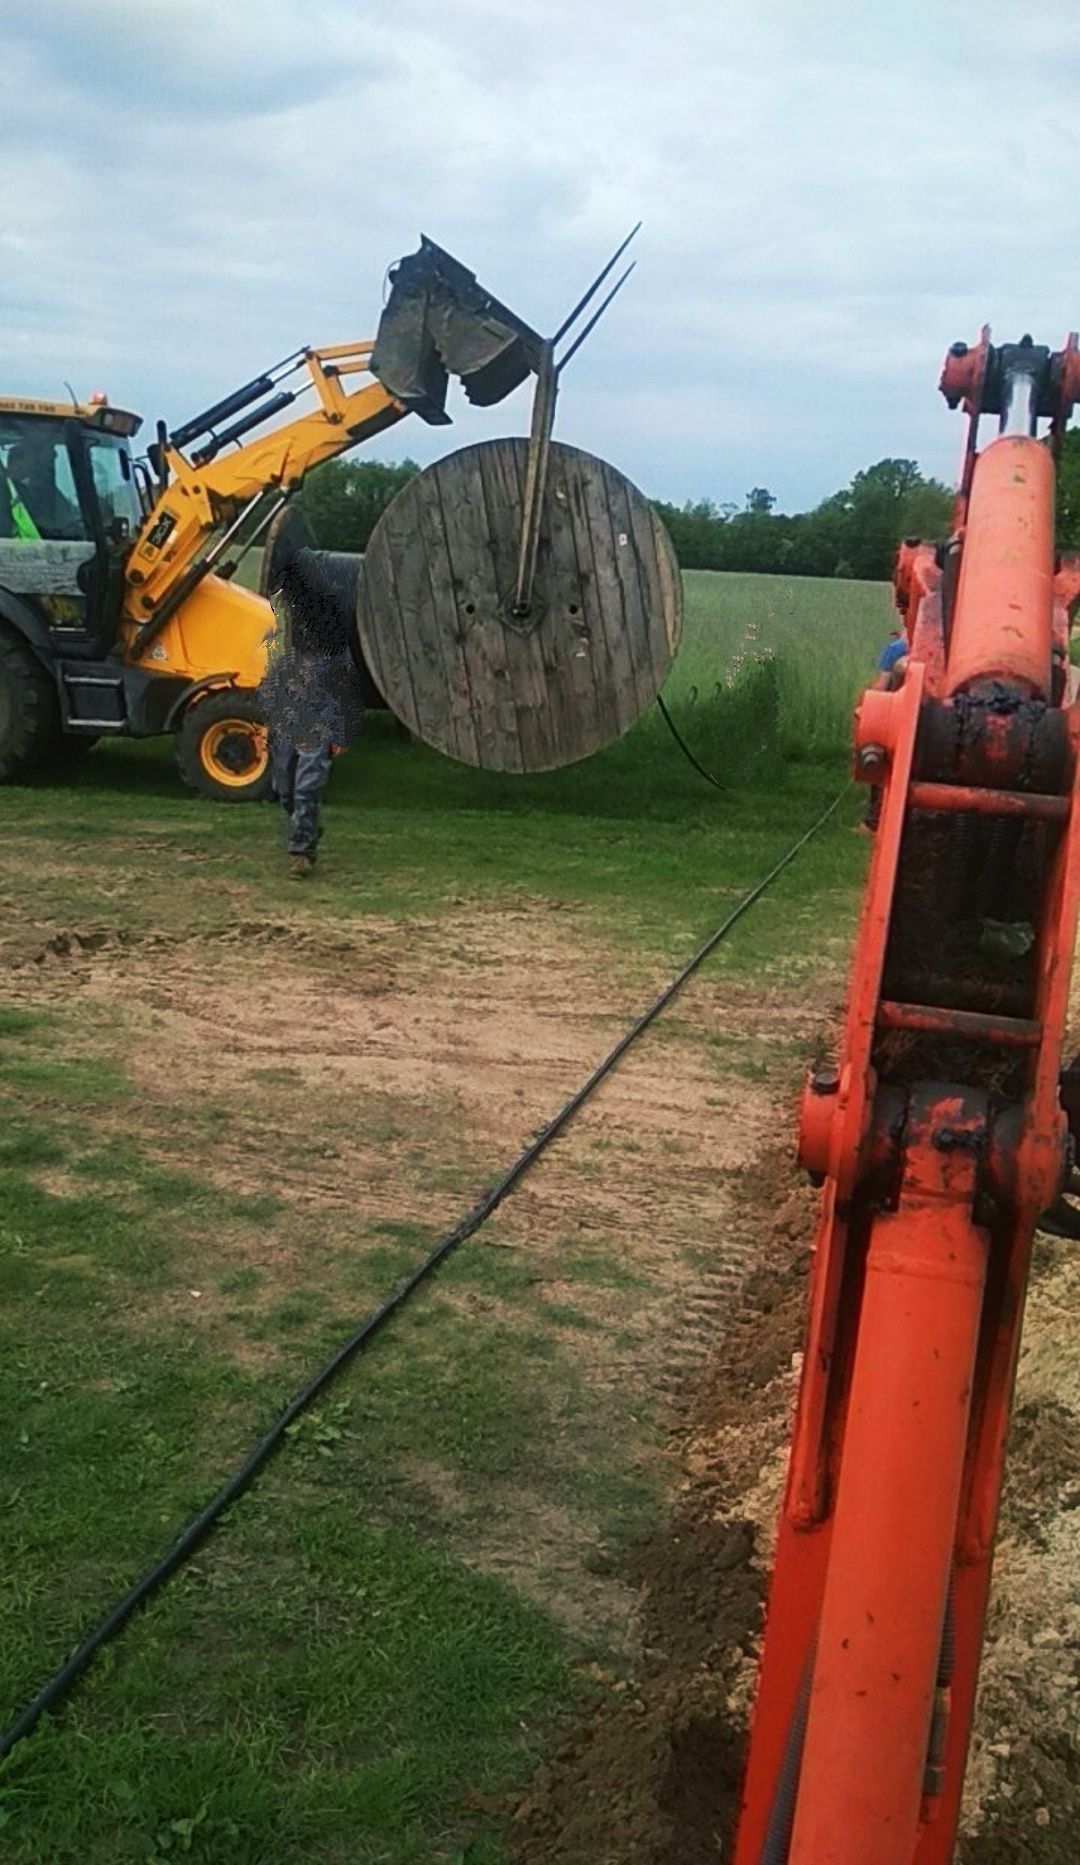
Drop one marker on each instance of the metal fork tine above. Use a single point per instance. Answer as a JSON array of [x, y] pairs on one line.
[[595, 286], [593, 321]]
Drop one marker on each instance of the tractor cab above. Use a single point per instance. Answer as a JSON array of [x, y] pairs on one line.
[[69, 508]]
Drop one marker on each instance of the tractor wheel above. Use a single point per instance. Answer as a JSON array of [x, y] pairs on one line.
[[221, 747], [29, 716]]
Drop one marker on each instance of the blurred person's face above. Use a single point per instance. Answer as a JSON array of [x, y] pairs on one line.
[[33, 458]]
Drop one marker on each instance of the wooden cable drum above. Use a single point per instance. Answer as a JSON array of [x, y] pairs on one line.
[[437, 622], [288, 535]]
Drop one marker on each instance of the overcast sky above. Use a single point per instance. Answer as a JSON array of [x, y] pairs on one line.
[[831, 192]]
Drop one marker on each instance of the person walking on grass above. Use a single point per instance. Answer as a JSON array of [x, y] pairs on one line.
[[891, 668], [312, 703]]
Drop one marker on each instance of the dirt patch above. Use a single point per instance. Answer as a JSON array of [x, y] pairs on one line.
[[651, 1775], [1023, 1797], [403, 1068], [374, 1078]]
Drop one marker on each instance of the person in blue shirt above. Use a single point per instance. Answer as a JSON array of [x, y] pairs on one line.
[[313, 702], [891, 668], [894, 651]]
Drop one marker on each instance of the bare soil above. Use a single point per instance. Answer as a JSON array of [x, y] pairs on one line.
[[650, 1776], [390, 1072], [371, 1075]]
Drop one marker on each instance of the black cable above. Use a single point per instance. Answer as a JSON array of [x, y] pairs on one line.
[[62, 1680], [684, 747]]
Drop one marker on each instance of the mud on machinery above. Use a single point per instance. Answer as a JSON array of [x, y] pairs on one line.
[[118, 615]]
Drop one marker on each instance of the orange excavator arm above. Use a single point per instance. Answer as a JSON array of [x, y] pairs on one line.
[[938, 1135], [437, 321]]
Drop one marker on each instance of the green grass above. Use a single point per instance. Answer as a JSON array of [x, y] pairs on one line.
[[335, 1676], [821, 637], [326, 1674], [320, 1675]]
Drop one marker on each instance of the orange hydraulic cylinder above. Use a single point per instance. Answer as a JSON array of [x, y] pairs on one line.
[[1003, 617], [879, 1635]]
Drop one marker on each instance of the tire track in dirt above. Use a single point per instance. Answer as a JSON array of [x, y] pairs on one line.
[[369, 1073]]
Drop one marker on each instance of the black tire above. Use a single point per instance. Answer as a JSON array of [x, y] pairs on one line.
[[221, 747], [29, 714]]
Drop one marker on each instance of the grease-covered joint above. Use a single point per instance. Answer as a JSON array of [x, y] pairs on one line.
[[1025, 1170], [949, 1139], [995, 738]]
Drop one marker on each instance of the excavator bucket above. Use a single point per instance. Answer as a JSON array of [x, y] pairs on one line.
[[438, 322]]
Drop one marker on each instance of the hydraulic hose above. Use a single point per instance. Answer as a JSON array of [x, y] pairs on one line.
[[782, 1818]]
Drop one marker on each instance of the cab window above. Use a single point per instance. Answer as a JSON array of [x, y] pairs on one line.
[[37, 489], [114, 482]]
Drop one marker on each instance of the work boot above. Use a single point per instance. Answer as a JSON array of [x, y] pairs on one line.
[[300, 866]]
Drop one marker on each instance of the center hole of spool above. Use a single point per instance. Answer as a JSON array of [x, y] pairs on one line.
[[520, 610]]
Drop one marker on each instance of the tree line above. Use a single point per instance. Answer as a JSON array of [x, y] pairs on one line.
[[853, 533]]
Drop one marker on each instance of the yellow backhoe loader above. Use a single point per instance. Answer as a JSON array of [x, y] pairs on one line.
[[118, 615]]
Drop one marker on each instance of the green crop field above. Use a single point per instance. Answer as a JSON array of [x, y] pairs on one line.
[[822, 635]]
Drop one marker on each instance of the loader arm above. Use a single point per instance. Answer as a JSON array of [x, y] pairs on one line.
[[438, 321]]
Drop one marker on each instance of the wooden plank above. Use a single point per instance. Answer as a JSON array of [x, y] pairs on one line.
[[448, 616], [671, 585], [407, 550], [575, 725], [503, 471], [601, 624], [622, 651], [575, 729], [382, 635], [581, 648], [482, 551], [42, 569], [631, 577], [656, 591]]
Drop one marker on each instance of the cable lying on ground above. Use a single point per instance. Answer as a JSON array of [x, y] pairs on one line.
[[684, 747], [61, 1682]]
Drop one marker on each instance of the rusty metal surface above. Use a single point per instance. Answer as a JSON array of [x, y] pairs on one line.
[[1013, 1032], [967, 799]]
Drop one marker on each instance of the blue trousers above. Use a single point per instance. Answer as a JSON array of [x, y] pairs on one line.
[[299, 779]]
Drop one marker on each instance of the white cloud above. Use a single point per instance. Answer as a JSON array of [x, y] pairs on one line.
[[831, 194]]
